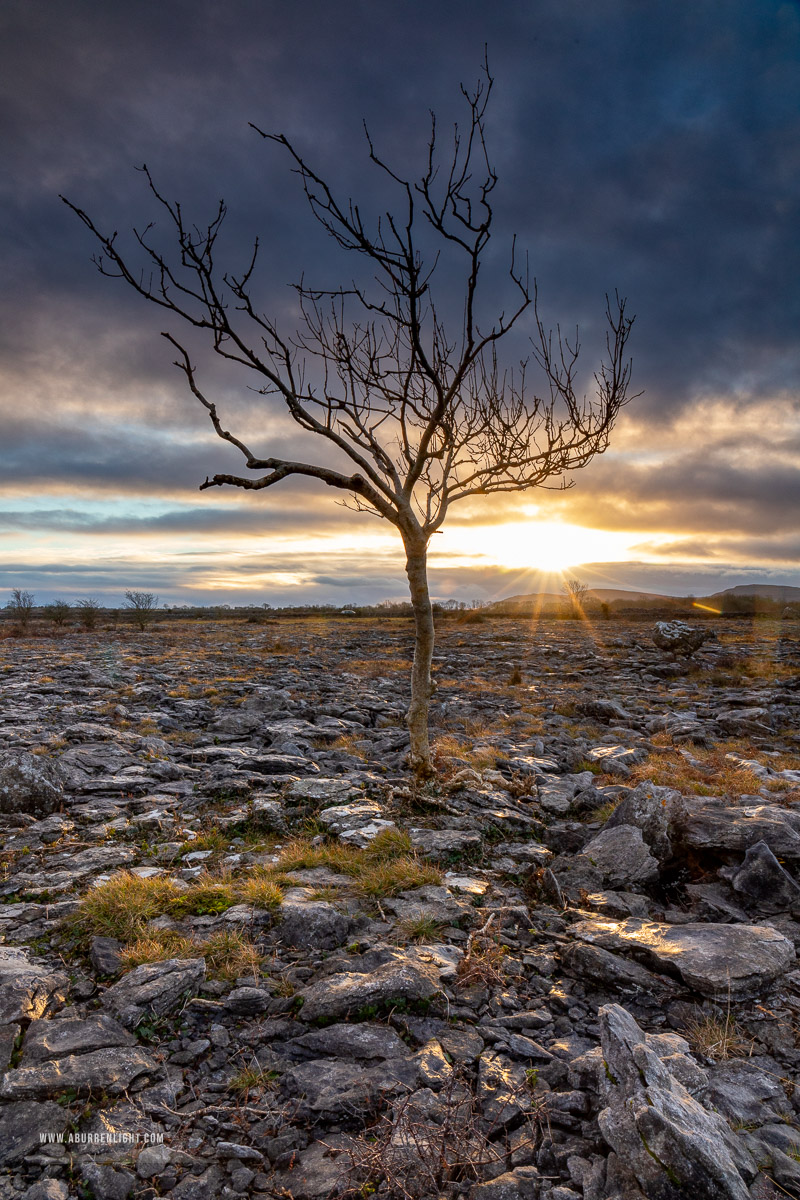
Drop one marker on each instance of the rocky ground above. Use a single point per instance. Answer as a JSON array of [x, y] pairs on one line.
[[242, 954]]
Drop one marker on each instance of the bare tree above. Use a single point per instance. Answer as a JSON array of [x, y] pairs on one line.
[[88, 611], [58, 612], [22, 605], [142, 606], [418, 414], [575, 591]]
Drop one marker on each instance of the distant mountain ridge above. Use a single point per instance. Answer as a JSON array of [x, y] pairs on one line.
[[767, 591], [782, 593]]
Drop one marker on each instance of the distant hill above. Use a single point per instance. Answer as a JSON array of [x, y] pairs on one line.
[[780, 593], [784, 593], [601, 595]]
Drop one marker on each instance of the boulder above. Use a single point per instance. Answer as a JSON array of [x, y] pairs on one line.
[[676, 637], [651, 809], [622, 856], [30, 783], [153, 987], [674, 1147], [718, 961], [763, 881], [311, 924]]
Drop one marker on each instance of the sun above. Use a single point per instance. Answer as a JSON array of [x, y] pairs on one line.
[[550, 546]]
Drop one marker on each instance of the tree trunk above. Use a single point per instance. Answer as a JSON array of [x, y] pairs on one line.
[[421, 685]]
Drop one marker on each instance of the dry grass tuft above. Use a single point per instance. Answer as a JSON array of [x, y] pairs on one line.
[[229, 954], [716, 1037], [122, 907]]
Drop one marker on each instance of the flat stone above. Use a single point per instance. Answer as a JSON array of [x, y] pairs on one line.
[[351, 1041], [334, 1089], [613, 970], [312, 924], [156, 987], [23, 1122], [715, 960], [114, 1070], [53, 1039], [346, 993], [442, 844], [713, 824], [323, 790]]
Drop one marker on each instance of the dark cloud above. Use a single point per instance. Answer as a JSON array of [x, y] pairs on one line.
[[649, 147]]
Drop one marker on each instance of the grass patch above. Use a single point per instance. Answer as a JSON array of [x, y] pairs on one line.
[[715, 774], [383, 868], [717, 1037], [421, 929], [229, 953], [252, 1079], [261, 890], [123, 907]]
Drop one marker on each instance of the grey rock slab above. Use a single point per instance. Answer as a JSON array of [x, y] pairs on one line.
[[30, 784], [672, 1144], [351, 1041], [713, 824], [436, 903], [156, 987], [622, 855], [22, 1125], [207, 1186], [345, 993], [718, 961], [323, 790], [744, 1093], [315, 1173], [440, 844], [53, 1039], [27, 989], [615, 760], [502, 1091], [609, 970], [601, 710], [334, 1089], [312, 924], [113, 1070]]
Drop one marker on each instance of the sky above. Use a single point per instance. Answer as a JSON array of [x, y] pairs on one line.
[[648, 148]]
